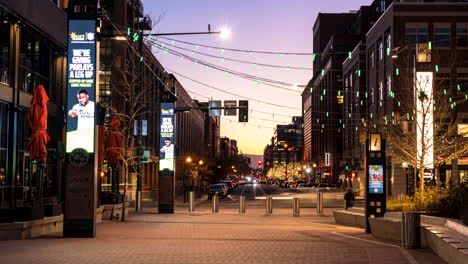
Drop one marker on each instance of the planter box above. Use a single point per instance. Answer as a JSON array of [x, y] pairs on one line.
[[30, 229]]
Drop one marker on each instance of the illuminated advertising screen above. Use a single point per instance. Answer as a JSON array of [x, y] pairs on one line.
[[166, 137], [81, 73], [376, 179]]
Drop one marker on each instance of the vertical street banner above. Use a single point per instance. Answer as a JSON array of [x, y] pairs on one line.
[[166, 138], [81, 73]]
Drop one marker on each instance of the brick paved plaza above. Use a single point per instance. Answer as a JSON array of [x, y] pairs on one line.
[[226, 237]]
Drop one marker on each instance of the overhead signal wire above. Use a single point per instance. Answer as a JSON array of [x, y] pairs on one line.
[[250, 109], [238, 95], [138, 54], [235, 60], [258, 79], [240, 50]]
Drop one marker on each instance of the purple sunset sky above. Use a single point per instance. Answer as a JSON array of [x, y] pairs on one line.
[[265, 25]]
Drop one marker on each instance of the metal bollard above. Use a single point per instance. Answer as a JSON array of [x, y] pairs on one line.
[[269, 205], [242, 205], [411, 230], [138, 202], [191, 199], [296, 206], [320, 203], [215, 204]]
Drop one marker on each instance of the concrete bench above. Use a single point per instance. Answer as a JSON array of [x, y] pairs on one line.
[[350, 218], [448, 238], [30, 229]]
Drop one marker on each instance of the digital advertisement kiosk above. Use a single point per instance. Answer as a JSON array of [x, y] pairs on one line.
[[81, 169], [375, 177]]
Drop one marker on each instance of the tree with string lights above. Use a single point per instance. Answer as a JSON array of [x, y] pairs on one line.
[[422, 118]]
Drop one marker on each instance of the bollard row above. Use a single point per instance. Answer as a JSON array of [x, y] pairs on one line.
[[319, 203], [268, 204]]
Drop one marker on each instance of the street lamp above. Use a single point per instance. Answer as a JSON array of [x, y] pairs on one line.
[[225, 33], [188, 159], [286, 149], [201, 162]]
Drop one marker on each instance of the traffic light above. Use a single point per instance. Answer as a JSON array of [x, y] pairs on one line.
[[353, 174], [260, 162], [243, 111]]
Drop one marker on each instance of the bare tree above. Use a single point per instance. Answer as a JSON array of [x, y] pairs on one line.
[[420, 124]]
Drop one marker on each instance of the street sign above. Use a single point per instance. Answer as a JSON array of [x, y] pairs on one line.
[[375, 142], [214, 112], [146, 156], [230, 108], [144, 127], [327, 159]]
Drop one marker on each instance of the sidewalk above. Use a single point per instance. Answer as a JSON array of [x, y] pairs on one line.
[[225, 237]]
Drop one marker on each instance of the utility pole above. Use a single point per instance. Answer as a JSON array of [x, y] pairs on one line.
[[139, 126]]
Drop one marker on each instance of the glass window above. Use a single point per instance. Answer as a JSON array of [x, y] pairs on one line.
[[389, 84], [442, 35], [442, 79], [4, 52], [416, 33], [381, 52], [388, 40], [372, 58], [381, 91], [35, 62], [462, 35], [462, 80]]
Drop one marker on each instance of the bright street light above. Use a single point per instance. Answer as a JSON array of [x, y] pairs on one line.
[[225, 33], [201, 162], [188, 159]]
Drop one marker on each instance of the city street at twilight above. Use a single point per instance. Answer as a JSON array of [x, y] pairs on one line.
[[224, 237], [246, 131]]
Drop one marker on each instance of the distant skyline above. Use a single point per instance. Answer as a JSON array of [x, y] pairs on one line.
[[260, 25]]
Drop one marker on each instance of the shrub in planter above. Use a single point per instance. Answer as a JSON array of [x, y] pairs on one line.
[[431, 200], [456, 204]]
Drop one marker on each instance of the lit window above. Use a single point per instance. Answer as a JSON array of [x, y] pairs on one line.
[[381, 91], [381, 50], [463, 130], [389, 84]]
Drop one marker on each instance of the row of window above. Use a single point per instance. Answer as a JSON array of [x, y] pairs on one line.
[[36, 59], [442, 34], [442, 81]]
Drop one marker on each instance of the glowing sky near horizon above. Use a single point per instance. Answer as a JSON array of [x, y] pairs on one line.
[[266, 25]]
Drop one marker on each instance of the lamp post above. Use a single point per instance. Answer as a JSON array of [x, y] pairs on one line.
[[224, 33], [286, 159], [314, 166]]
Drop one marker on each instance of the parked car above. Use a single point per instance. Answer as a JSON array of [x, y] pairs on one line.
[[229, 185], [219, 189], [234, 183]]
